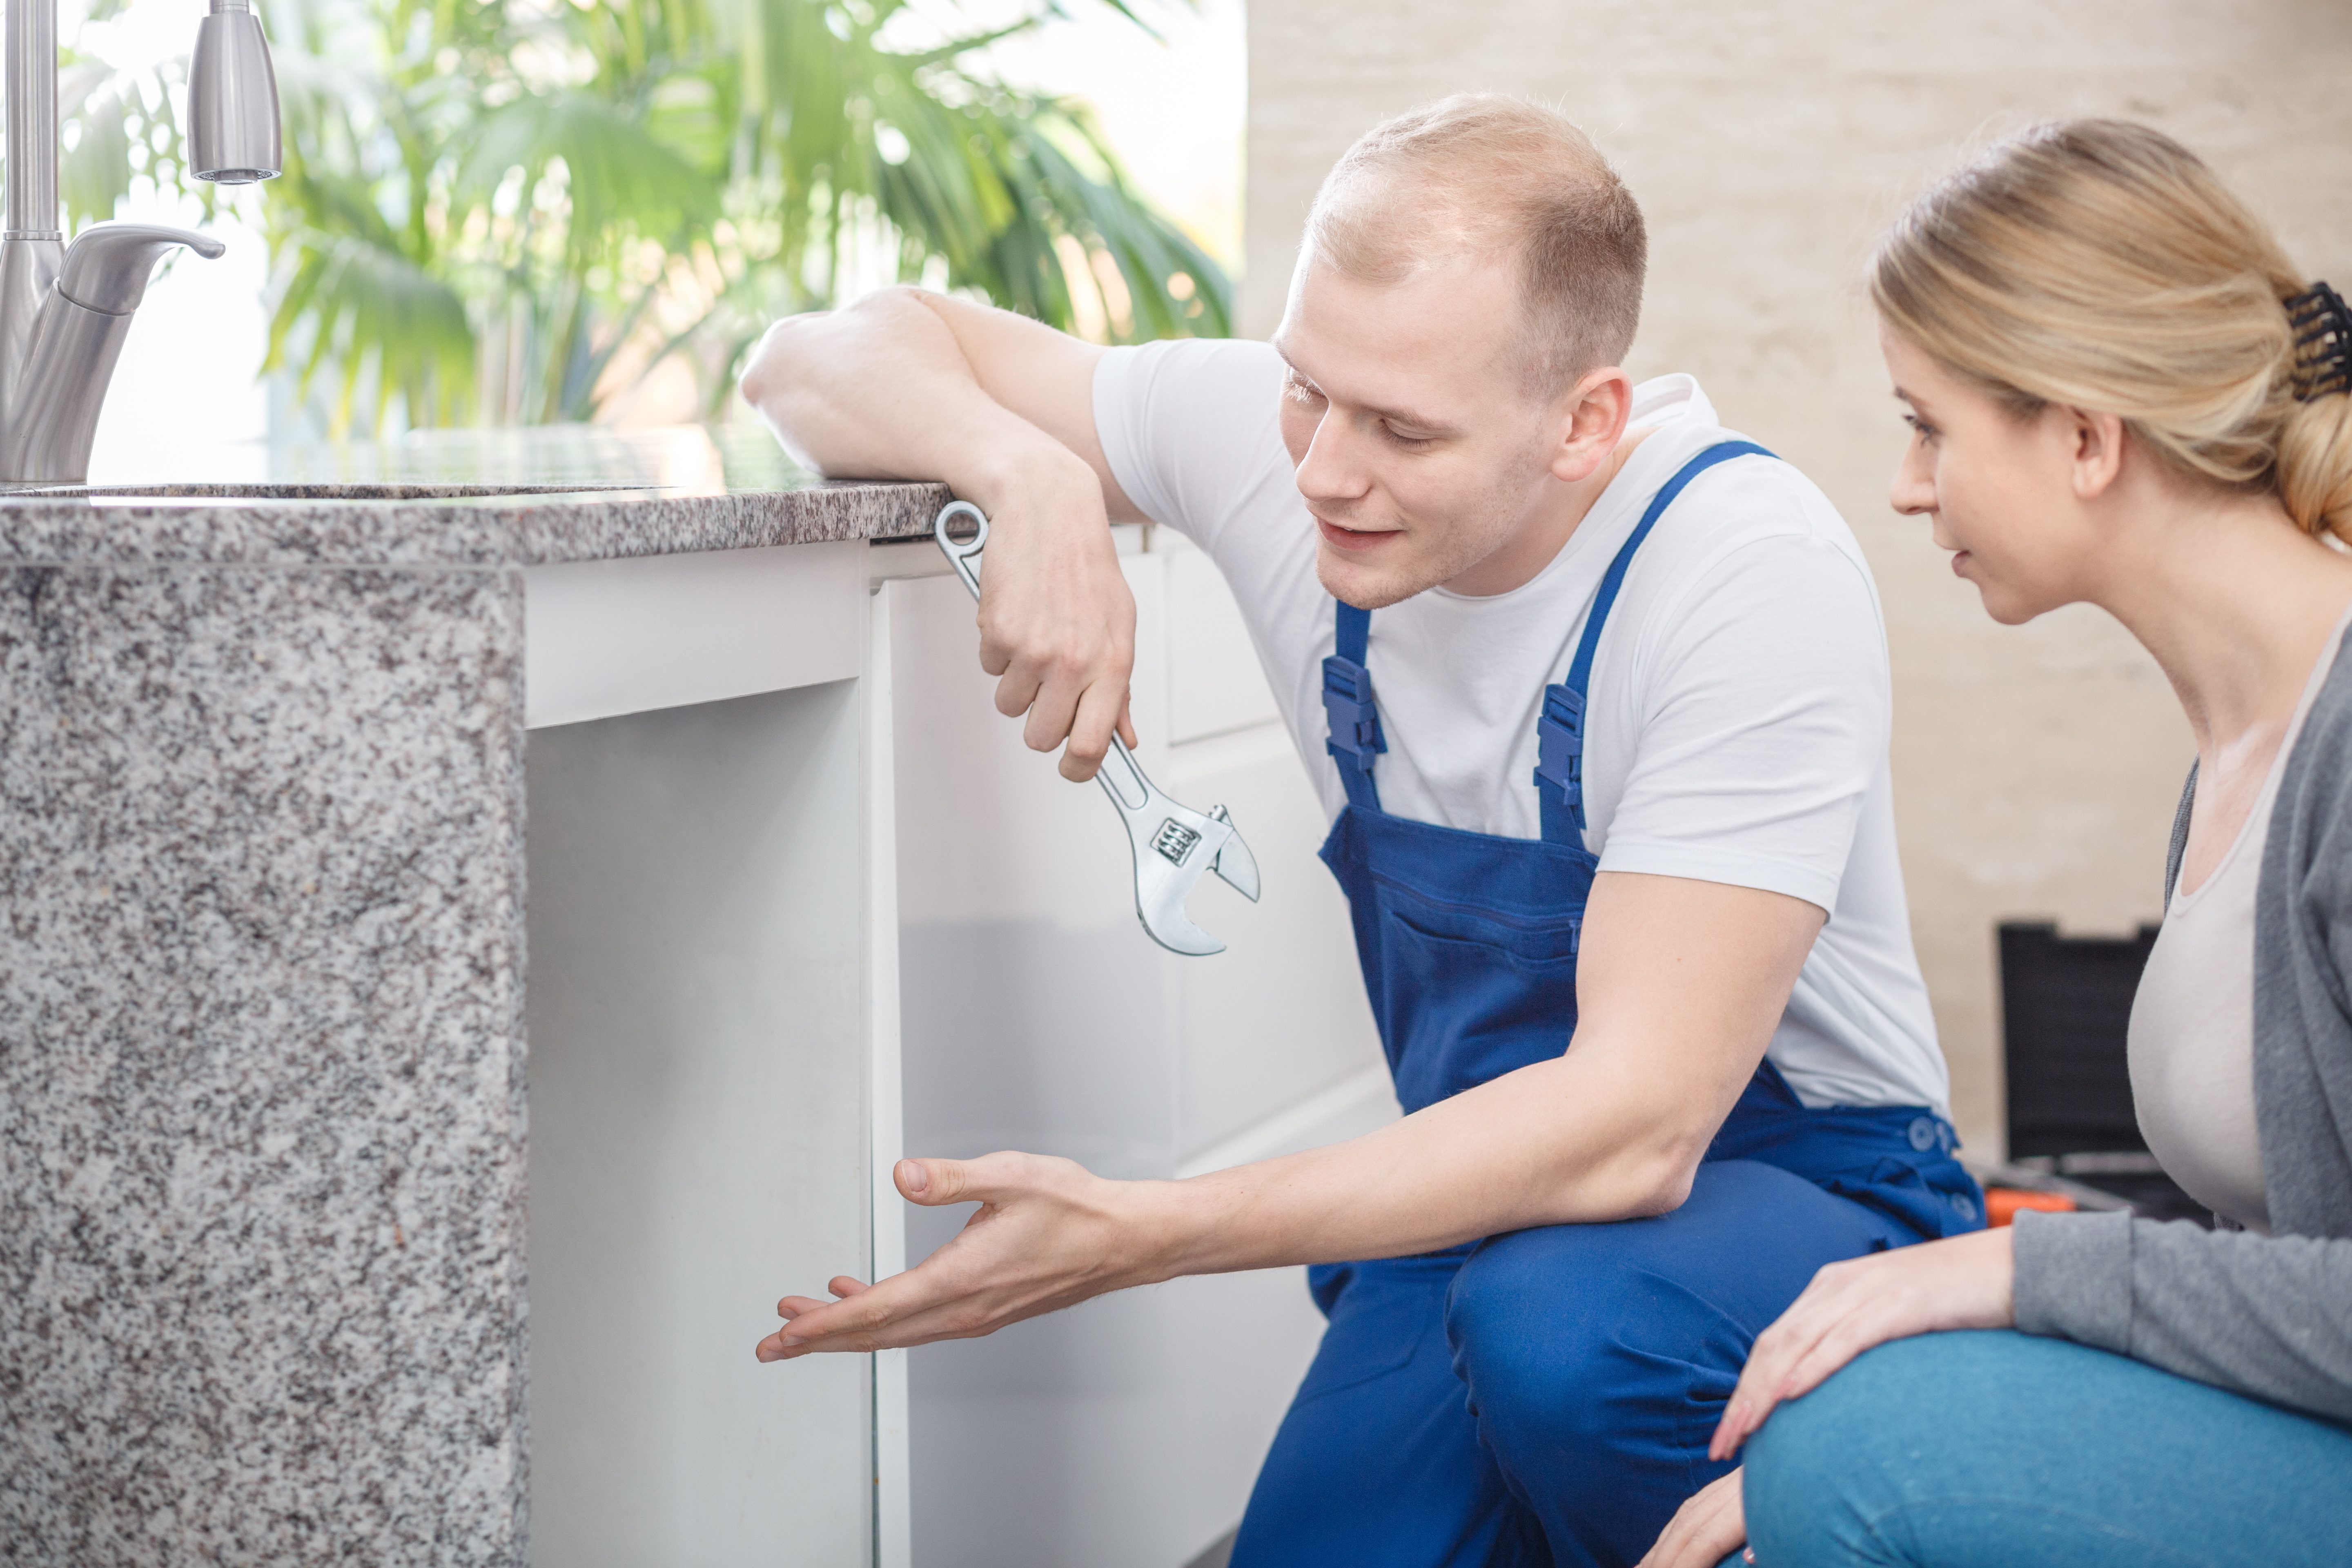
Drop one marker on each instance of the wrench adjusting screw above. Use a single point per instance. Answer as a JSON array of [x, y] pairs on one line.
[[1174, 840]]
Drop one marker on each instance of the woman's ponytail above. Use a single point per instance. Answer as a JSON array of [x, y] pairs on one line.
[[2315, 465]]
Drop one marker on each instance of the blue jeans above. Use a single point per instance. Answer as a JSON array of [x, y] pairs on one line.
[[2005, 1450]]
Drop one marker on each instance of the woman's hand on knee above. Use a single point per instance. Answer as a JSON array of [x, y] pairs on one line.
[[1707, 1528], [1960, 1283]]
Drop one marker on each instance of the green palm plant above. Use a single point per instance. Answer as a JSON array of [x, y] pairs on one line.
[[515, 209], [117, 125]]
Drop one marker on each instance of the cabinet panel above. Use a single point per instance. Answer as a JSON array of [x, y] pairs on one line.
[[1036, 1014], [696, 1134], [1126, 1431], [1214, 680], [1281, 1013], [665, 631]]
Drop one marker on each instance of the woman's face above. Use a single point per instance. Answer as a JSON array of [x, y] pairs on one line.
[[2000, 491]]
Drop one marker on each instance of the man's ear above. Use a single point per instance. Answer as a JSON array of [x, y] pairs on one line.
[[2096, 443], [1592, 415]]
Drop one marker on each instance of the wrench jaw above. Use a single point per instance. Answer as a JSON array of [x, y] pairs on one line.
[[1172, 846], [1160, 905], [1234, 864]]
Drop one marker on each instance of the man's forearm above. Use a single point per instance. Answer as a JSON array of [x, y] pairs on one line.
[[1679, 984], [882, 390], [1562, 1142]]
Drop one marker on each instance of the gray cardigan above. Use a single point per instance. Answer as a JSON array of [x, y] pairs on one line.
[[2269, 1316]]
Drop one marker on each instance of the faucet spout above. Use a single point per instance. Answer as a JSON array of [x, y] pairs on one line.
[[76, 340], [64, 312]]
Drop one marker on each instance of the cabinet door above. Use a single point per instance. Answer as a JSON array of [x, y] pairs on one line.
[[1037, 1015]]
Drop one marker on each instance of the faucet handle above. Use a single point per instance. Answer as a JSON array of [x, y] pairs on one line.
[[107, 266]]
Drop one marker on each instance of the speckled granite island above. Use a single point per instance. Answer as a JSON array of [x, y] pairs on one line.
[[282, 1280]]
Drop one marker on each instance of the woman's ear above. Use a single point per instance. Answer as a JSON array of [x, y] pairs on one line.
[[2096, 443]]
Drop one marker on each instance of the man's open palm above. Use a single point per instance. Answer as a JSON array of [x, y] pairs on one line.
[[1048, 1233]]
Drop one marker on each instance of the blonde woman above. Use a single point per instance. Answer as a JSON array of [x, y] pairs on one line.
[[2121, 392]]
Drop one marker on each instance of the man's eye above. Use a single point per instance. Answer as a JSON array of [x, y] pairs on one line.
[[1298, 391], [1401, 439]]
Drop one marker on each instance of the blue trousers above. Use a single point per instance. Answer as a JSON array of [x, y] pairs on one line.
[[2002, 1450], [1545, 1397]]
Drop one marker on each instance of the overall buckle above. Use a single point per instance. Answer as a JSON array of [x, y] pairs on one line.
[[1560, 749], [1355, 724]]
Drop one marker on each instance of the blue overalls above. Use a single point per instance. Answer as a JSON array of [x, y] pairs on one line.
[[1546, 1397]]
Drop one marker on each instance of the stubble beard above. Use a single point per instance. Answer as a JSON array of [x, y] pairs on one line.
[[1483, 526]]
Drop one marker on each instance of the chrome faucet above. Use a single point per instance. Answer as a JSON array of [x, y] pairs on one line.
[[64, 312]]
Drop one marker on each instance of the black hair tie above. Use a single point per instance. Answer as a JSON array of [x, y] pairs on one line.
[[2323, 342]]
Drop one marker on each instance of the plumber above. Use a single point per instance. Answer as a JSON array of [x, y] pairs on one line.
[[1596, 693]]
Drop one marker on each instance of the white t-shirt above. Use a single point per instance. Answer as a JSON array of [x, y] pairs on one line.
[[1737, 722]]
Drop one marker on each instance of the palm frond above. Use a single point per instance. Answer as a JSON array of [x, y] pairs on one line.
[[1174, 289], [992, 190], [365, 305], [618, 182], [94, 171], [617, 178], [116, 126]]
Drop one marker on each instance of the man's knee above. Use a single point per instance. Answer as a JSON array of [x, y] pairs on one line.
[[1599, 1357], [1514, 1309], [1560, 1343]]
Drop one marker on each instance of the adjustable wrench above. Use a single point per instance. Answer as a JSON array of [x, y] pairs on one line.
[[1173, 844]]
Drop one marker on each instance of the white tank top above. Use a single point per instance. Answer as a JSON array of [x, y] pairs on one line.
[[2192, 1021]]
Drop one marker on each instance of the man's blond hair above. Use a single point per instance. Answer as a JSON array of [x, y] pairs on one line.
[[1479, 174]]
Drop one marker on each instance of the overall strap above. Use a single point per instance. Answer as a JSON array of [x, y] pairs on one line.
[[1354, 724], [1560, 732]]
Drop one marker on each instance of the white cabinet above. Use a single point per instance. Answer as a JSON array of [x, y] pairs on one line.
[[1215, 684], [1037, 1015], [802, 900], [697, 1141]]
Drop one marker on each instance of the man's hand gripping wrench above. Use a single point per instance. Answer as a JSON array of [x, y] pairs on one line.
[[1173, 844]]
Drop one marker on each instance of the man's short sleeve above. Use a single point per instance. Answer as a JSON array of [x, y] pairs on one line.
[[1189, 428], [1764, 725]]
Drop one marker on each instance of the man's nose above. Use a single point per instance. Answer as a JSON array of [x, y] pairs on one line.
[[1332, 469]]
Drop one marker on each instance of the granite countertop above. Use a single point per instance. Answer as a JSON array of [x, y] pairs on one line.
[[464, 499]]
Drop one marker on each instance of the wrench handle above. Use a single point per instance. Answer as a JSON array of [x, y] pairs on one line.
[[962, 556], [1124, 761]]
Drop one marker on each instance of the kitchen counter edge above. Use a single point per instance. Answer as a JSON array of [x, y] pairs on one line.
[[440, 533]]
